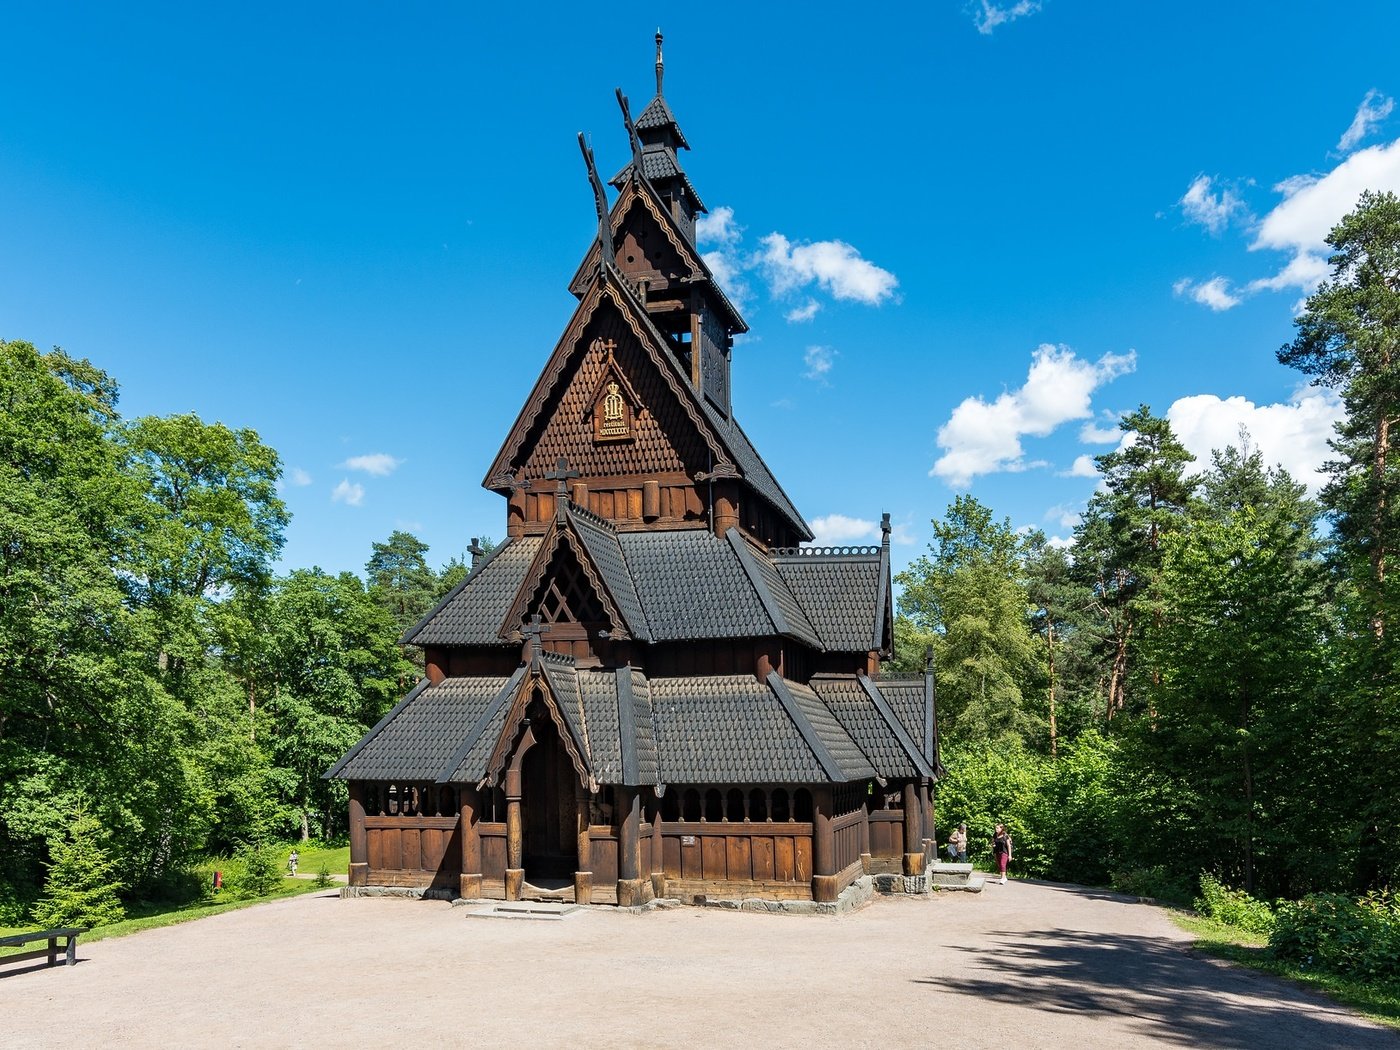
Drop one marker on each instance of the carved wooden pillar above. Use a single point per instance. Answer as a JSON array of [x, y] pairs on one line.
[[515, 837], [469, 814], [651, 500], [865, 837], [823, 846], [435, 664], [359, 843], [583, 877], [632, 889], [658, 855], [515, 513], [926, 808], [913, 830], [726, 507]]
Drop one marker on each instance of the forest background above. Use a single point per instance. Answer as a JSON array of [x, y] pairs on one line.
[[1204, 681]]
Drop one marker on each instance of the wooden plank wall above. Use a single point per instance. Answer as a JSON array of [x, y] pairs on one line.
[[733, 859], [887, 833], [413, 851]]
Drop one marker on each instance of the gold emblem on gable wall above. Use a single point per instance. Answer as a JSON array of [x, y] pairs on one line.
[[614, 405]]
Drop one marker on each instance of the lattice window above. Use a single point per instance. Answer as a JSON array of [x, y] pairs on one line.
[[565, 595]]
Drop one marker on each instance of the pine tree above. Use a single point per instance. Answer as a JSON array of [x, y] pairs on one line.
[[82, 886]]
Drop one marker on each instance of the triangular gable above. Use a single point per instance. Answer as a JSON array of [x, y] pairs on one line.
[[572, 736], [589, 588], [906, 742], [673, 414], [639, 193]]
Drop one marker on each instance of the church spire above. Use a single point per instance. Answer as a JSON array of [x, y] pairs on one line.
[[660, 65]]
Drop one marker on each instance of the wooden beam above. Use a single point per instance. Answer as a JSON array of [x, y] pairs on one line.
[[470, 813], [824, 879], [913, 830], [359, 844]]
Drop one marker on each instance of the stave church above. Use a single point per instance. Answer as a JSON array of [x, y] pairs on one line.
[[653, 686]]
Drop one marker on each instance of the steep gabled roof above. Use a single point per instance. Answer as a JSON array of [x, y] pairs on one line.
[[593, 543], [658, 115], [659, 162], [470, 613], [642, 193], [843, 591], [608, 291]]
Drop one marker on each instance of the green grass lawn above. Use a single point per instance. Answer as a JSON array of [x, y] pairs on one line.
[[146, 915], [1380, 1002]]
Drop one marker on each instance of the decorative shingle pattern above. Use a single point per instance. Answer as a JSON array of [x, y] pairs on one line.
[[563, 683], [755, 471], [475, 753], [906, 700], [728, 729], [598, 693], [600, 540], [773, 592], [849, 757], [658, 115], [647, 763], [472, 613], [420, 739], [691, 585], [840, 593], [857, 714]]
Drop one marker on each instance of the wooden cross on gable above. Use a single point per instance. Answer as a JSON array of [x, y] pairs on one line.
[[563, 475], [534, 640]]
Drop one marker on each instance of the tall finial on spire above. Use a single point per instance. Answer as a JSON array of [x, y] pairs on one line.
[[660, 66]]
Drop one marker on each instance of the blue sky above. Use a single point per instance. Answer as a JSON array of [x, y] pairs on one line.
[[966, 236]]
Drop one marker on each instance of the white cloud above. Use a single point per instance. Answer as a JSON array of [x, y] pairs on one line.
[[1092, 434], [819, 361], [838, 529], [380, 464], [984, 437], [1062, 543], [1293, 434], [351, 493], [718, 227], [986, 16], [834, 266], [1300, 223], [1374, 108], [1066, 517], [1214, 293], [1082, 467], [1212, 210], [805, 312], [728, 270], [298, 477]]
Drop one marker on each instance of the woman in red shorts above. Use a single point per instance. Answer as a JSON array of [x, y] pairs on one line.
[[1001, 850]]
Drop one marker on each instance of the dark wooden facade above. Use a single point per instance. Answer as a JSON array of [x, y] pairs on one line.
[[650, 687]]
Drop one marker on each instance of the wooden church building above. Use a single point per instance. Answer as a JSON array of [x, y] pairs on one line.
[[650, 687]]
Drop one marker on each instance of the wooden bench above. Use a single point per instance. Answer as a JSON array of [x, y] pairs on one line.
[[18, 940]]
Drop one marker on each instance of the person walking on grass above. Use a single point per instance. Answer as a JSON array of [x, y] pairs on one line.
[[1001, 850]]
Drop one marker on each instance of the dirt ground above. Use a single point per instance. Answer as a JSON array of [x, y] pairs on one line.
[[1022, 966]]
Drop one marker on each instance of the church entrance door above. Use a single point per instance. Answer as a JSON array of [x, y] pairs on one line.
[[549, 810]]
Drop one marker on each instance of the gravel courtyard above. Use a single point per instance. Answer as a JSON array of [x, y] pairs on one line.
[[1022, 966]]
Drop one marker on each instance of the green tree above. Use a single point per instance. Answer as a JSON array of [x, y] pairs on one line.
[[1237, 650], [1060, 617], [333, 668], [1145, 495], [400, 580], [968, 596], [1348, 339], [82, 887]]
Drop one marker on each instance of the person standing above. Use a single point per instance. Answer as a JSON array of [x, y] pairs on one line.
[[1001, 850], [957, 843]]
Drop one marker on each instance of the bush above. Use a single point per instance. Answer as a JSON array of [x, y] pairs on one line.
[[1234, 907], [1341, 935], [261, 872], [1156, 882], [323, 877], [82, 886]]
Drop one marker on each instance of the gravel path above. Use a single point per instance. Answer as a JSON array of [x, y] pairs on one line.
[[1022, 966]]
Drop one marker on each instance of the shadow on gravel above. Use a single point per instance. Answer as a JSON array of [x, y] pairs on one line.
[[1155, 988]]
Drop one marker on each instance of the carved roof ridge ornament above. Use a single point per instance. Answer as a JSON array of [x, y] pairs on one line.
[[600, 202], [637, 171]]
